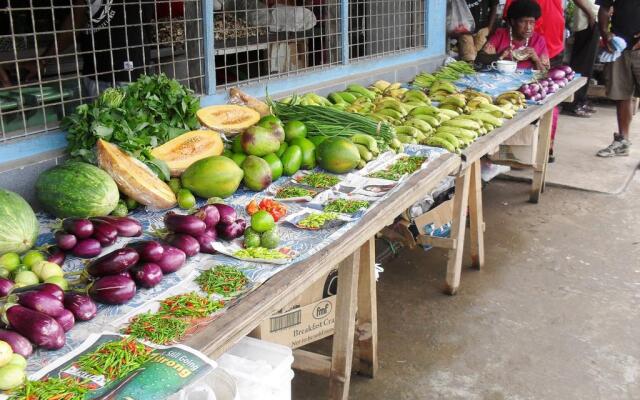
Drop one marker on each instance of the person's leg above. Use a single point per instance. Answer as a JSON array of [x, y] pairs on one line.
[[620, 85], [467, 48], [583, 56]]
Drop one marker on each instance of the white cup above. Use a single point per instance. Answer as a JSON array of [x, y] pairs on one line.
[[505, 66]]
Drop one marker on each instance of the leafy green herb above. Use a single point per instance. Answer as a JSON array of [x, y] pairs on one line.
[[403, 166], [223, 280], [143, 115], [319, 180], [289, 192], [260, 252], [52, 389], [116, 359], [346, 206], [317, 220]]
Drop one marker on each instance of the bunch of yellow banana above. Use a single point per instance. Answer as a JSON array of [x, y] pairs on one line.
[[455, 102], [383, 87], [443, 86], [513, 98]]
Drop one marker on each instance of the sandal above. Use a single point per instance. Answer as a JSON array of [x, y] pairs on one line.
[[579, 112]]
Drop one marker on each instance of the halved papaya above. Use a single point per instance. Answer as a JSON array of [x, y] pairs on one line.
[[228, 118], [134, 178], [188, 148]]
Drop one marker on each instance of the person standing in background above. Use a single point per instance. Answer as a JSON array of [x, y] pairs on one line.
[[622, 77], [484, 14], [586, 38]]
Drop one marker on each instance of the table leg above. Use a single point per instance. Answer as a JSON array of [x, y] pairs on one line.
[[367, 320], [542, 157], [476, 217], [342, 353], [458, 225]]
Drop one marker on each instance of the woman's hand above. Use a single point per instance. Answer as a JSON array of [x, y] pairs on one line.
[[530, 54]]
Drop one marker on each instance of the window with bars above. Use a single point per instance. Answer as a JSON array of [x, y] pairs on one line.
[[260, 40], [56, 54], [385, 27]]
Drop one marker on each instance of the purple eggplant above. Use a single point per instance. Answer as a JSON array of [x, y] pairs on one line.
[[82, 228], [233, 230], [189, 224], [206, 240], [65, 241], [5, 286], [81, 305], [42, 302], [51, 289], [126, 226], [209, 214], [227, 213], [87, 248], [66, 320], [41, 329], [148, 250], [114, 262], [56, 255], [19, 344], [112, 289], [104, 232], [172, 260], [184, 242], [147, 275]]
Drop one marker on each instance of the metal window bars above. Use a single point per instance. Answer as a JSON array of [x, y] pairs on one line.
[[379, 28], [253, 42], [56, 54]]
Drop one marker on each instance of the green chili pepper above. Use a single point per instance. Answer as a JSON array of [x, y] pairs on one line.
[[317, 220], [345, 206], [319, 180], [293, 191]]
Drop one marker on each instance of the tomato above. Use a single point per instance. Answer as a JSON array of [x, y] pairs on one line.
[[276, 209]]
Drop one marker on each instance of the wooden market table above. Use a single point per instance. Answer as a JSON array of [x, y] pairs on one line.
[[468, 185], [354, 254]]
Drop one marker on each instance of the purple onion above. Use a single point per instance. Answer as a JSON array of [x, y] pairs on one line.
[[149, 250], [206, 240], [82, 306], [147, 275], [41, 329], [42, 302], [209, 214], [567, 69], [112, 289], [66, 320], [184, 242], [233, 230], [5, 286], [189, 224], [126, 226], [65, 241], [227, 213], [56, 256], [82, 228], [19, 344], [172, 260], [557, 74], [87, 248]]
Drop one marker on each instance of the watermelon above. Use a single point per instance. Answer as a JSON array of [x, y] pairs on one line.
[[77, 189], [19, 227]]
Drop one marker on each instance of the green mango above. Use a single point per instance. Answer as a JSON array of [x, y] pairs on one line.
[[308, 152], [291, 160], [275, 165], [259, 141], [257, 174]]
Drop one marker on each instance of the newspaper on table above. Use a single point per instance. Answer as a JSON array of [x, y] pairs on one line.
[[167, 370]]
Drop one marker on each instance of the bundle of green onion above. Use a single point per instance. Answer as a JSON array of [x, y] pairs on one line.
[[326, 121]]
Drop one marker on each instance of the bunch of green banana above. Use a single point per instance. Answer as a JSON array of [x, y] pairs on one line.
[[424, 80], [367, 147], [455, 102], [443, 86], [383, 88], [312, 99], [514, 98]]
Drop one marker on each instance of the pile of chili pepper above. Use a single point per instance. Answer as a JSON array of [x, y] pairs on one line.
[[116, 359], [276, 209], [52, 389], [189, 305], [222, 279]]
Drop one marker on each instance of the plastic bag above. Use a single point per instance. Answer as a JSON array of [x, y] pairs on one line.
[[460, 19]]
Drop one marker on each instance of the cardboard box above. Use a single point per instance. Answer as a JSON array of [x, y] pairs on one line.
[[521, 147], [438, 216], [307, 319]]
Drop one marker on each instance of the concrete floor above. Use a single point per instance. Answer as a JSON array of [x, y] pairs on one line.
[[554, 315]]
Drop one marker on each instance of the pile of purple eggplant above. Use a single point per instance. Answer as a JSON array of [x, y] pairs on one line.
[[85, 238], [197, 232], [557, 78], [40, 315]]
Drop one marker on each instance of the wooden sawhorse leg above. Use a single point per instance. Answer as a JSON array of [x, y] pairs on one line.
[[458, 225], [367, 321], [542, 157], [346, 304], [476, 217]]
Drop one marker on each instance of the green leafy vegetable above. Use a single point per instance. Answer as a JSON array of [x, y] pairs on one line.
[[138, 117]]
